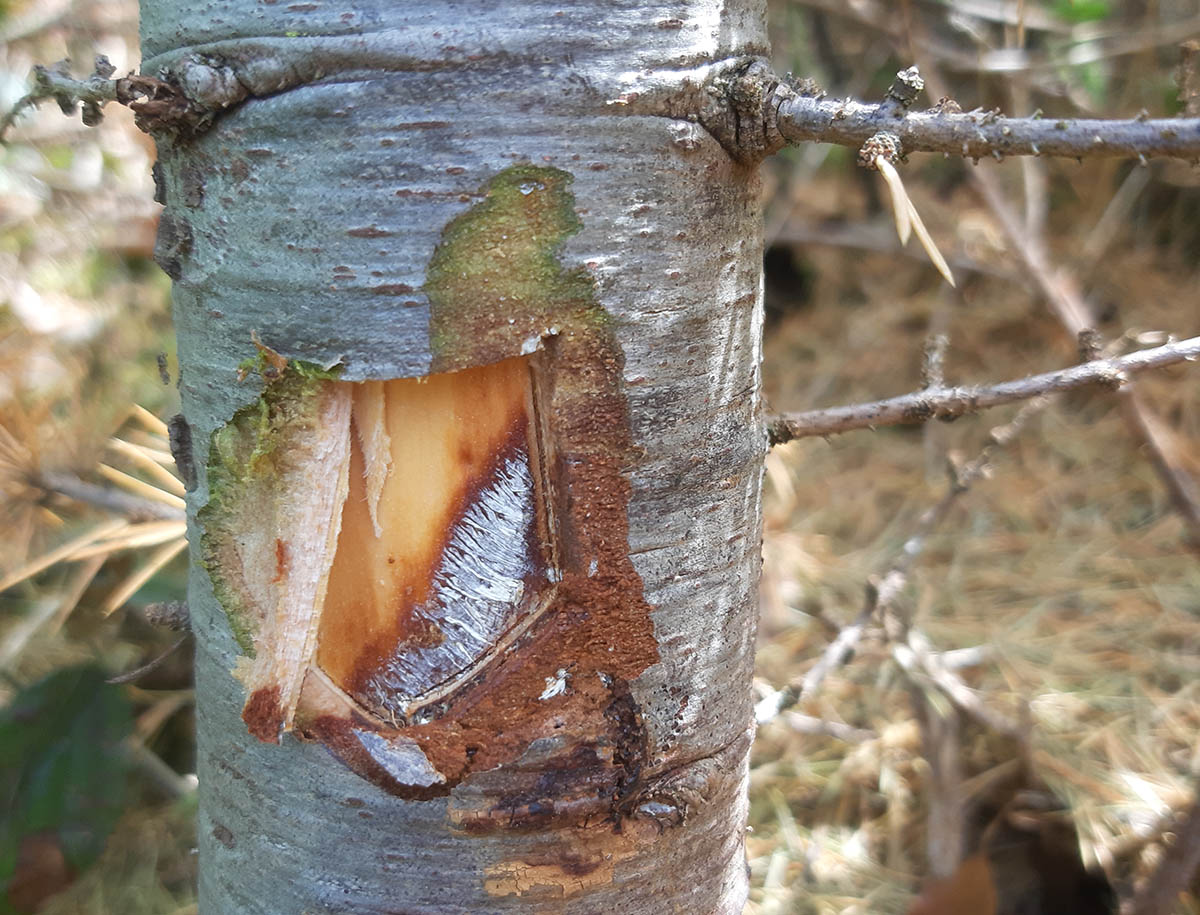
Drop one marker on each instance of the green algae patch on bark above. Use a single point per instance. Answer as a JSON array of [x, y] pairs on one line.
[[495, 283], [278, 477]]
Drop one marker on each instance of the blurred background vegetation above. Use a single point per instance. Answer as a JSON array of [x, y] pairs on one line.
[[1062, 590]]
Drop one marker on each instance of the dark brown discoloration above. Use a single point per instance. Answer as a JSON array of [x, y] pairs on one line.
[[191, 183], [172, 244], [179, 436], [629, 741], [160, 185], [160, 106], [263, 714], [540, 793], [281, 561], [223, 835], [392, 289]]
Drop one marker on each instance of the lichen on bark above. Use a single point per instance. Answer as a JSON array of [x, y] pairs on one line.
[[495, 283]]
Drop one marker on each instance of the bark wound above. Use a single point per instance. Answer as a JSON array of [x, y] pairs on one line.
[[480, 550]]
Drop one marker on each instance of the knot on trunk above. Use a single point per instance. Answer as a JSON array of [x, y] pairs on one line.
[[740, 109]]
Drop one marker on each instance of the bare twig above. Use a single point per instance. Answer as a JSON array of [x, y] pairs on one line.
[[952, 402], [807, 724], [875, 236], [57, 83], [138, 672], [941, 739], [933, 369], [979, 134], [918, 658], [1189, 78], [130, 506], [1062, 294], [155, 103]]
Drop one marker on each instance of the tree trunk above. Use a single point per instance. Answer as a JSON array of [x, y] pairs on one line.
[[476, 528]]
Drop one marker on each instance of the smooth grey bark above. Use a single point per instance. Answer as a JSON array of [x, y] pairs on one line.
[[306, 213]]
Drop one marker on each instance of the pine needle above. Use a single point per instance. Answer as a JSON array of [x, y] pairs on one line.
[[908, 219], [148, 420], [150, 533], [901, 206], [157, 560], [64, 553], [141, 487], [149, 463], [930, 246]]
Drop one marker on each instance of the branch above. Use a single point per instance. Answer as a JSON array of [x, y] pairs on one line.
[[113, 500], [57, 83], [952, 402], [155, 104], [917, 656], [978, 134], [1062, 294]]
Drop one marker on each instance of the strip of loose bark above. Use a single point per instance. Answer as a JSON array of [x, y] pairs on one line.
[[952, 402], [979, 134]]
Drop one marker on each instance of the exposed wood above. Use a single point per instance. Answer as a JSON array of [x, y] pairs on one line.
[[441, 550]]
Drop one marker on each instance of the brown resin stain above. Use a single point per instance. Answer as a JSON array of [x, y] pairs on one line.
[[599, 622], [568, 863], [263, 714], [281, 561]]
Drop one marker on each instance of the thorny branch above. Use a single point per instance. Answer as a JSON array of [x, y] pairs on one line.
[[1062, 295], [978, 134], [774, 112], [154, 102], [951, 402]]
